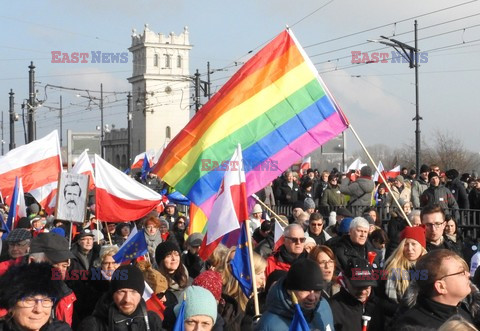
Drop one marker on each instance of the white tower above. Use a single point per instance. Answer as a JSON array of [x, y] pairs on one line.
[[160, 88]]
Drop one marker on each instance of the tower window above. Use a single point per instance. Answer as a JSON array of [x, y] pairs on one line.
[[168, 132], [179, 61], [167, 61], [155, 60]]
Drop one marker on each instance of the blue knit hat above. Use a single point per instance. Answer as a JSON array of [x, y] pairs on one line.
[[199, 301], [344, 227]]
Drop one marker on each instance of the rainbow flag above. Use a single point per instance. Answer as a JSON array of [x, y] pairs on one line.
[[276, 106], [198, 220]]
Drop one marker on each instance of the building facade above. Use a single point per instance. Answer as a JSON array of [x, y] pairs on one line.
[[115, 147], [160, 88]]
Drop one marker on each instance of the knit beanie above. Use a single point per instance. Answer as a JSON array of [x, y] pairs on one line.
[[127, 276], [432, 174], [414, 232], [163, 249], [199, 301], [304, 275], [212, 281], [308, 203], [424, 168]]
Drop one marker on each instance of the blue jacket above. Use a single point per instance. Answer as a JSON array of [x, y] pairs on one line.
[[280, 311]]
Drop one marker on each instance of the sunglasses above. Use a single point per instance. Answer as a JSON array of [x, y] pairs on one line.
[[296, 240]]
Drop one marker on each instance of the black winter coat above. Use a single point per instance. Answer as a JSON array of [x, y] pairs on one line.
[[459, 193], [348, 311], [345, 249], [428, 314], [107, 317]]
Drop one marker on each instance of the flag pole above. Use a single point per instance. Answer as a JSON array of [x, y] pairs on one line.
[[108, 232], [70, 236], [380, 174], [252, 268], [98, 229], [269, 209]]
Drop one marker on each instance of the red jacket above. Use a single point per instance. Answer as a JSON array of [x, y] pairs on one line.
[[64, 308], [273, 264]]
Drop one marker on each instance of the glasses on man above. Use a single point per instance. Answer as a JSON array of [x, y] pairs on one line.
[[316, 224], [30, 302], [463, 273], [434, 225], [296, 240]]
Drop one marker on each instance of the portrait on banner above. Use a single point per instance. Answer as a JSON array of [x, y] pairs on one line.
[[72, 197]]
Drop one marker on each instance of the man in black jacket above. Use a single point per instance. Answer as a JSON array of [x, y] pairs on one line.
[[440, 294], [355, 244], [356, 299], [123, 307], [433, 218]]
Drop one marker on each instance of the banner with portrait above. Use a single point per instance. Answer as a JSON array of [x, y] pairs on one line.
[[72, 197]]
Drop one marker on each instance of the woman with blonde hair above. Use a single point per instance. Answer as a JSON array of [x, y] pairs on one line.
[[400, 266], [230, 283]]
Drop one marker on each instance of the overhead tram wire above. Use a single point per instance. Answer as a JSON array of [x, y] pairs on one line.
[[385, 25]]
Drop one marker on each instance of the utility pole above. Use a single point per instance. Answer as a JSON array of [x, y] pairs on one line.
[[61, 122], [417, 117], [129, 130], [31, 104], [102, 129], [410, 54], [197, 91], [207, 91], [11, 112]]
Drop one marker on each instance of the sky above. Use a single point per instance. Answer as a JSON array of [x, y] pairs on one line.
[[377, 98]]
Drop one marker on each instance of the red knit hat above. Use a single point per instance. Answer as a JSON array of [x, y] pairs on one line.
[[212, 281], [415, 232]]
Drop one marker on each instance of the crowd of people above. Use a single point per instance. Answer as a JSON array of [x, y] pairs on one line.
[[346, 269]]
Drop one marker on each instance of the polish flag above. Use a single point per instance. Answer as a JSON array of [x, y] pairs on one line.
[[392, 173], [21, 206], [84, 166], [376, 177], [306, 164], [356, 165], [37, 163], [229, 208], [230, 205], [278, 237], [152, 302], [138, 161], [120, 198]]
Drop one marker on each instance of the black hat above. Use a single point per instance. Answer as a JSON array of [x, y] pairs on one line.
[[163, 249], [53, 245], [84, 233], [452, 174], [298, 204], [27, 280], [23, 223], [360, 273], [432, 174], [424, 168], [127, 276], [17, 235], [304, 275], [342, 211]]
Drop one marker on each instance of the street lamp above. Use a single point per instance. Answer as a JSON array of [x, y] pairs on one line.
[[410, 54]]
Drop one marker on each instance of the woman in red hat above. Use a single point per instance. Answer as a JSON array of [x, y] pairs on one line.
[[400, 266]]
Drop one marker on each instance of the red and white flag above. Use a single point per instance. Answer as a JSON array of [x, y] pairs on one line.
[[38, 164], [152, 302], [306, 164], [84, 166], [138, 161], [278, 237], [120, 198], [377, 177], [230, 205], [392, 173]]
